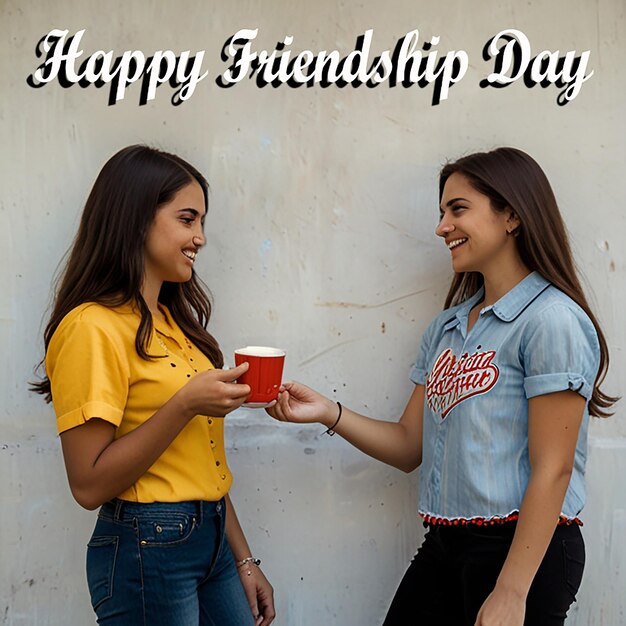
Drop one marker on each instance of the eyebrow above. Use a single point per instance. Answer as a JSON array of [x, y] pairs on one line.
[[451, 202], [194, 212]]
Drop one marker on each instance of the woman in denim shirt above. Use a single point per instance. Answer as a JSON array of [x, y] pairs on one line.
[[505, 380]]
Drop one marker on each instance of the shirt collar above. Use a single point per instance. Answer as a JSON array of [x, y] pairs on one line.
[[506, 308], [460, 317], [515, 301]]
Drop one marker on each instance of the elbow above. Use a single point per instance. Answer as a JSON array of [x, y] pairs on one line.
[[89, 503], [563, 476], [410, 465], [90, 506], [560, 474], [407, 469], [87, 498], [565, 472]]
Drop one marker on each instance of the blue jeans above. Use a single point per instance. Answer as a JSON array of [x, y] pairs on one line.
[[164, 564]]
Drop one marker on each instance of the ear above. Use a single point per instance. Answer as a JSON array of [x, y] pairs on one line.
[[512, 222]]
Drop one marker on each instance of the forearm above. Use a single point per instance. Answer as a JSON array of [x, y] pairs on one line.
[[390, 442], [123, 461], [538, 518], [234, 533]]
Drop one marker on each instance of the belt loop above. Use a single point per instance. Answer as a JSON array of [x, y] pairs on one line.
[[197, 514], [119, 507]]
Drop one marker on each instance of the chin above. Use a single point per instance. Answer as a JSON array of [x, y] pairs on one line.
[[460, 266], [180, 278]]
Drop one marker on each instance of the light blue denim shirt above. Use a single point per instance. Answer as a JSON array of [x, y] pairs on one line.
[[534, 340]]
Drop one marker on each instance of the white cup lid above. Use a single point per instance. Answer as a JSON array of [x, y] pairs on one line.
[[260, 351]]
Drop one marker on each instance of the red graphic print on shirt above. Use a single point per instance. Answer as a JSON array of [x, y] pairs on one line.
[[453, 379]]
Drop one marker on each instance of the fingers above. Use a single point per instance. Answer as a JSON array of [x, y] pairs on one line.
[[265, 602], [276, 410], [266, 620], [236, 391], [282, 408], [258, 618], [232, 374], [270, 411]]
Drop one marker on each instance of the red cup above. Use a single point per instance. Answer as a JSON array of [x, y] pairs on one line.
[[264, 374]]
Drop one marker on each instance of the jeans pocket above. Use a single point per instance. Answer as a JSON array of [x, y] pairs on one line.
[[574, 563], [101, 556], [165, 529]]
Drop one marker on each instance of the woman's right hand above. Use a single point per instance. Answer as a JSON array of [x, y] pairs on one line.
[[301, 404], [214, 392]]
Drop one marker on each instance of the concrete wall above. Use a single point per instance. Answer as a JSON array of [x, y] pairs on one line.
[[320, 241]]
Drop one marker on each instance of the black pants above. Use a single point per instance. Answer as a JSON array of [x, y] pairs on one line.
[[456, 568]]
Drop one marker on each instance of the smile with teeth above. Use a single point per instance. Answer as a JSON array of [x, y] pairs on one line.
[[190, 255], [456, 242]]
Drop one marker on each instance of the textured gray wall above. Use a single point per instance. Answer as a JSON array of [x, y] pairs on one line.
[[320, 241]]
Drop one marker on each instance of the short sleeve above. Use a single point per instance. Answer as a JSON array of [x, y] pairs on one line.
[[88, 376], [419, 370], [560, 352]]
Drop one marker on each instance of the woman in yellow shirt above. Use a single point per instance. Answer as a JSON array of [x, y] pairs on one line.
[[139, 395]]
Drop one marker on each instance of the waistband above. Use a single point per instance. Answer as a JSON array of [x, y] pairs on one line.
[[124, 510], [432, 520]]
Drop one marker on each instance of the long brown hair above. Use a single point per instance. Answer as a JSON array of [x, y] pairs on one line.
[[106, 260], [512, 179]]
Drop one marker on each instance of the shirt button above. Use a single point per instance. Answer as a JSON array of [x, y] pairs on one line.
[[210, 421], [223, 477], [217, 463]]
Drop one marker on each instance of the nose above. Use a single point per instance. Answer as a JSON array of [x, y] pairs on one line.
[[444, 227], [199, 239]]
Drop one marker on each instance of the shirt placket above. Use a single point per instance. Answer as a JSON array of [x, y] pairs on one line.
[[186, 356], [439, 448]]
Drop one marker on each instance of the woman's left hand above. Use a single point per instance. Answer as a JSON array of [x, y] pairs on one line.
[[502, 608], [260, 594]]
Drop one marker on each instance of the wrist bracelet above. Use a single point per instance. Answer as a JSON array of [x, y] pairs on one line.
[[331, 431], [249, 560]]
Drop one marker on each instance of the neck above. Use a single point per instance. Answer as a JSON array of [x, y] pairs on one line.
[[499, 283], [150, 291]]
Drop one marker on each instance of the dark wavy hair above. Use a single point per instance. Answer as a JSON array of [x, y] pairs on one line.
[[512, 179], [106, 260]]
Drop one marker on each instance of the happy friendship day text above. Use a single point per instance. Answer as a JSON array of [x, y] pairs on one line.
[[408, 64]]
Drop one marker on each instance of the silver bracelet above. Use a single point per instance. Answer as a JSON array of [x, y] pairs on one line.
[[249, 559]]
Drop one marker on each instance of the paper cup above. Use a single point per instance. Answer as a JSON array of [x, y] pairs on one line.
[[264, 374]]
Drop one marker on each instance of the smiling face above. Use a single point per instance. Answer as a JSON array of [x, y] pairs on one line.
[[174, 237], [474, 232]]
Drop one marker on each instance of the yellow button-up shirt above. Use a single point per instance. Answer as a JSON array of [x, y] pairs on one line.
[[95, 372]]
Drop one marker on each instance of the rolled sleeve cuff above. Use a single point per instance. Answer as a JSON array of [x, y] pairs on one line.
[[418, 375], [88, 411], [551, 383]]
